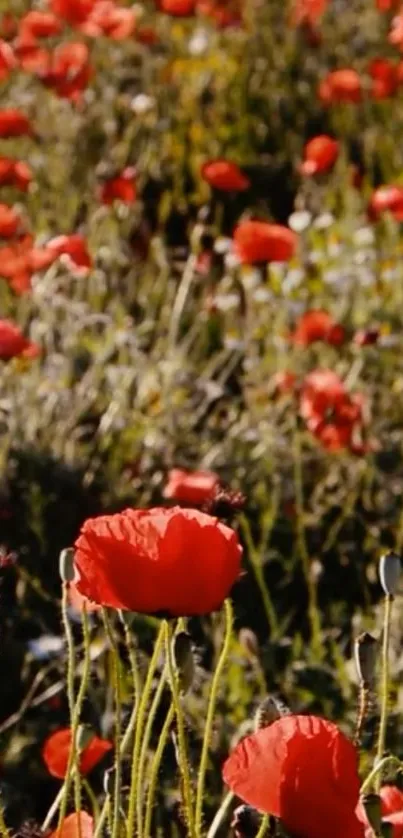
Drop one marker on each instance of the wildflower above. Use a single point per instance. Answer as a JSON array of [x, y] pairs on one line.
[[8, 61], [178, 8], [303, 770], [366, 337], [308, 11], [175, 561], [70, 70], [77, 825], [56, 752], [15, 173], [190, 487], [386, 199], [317, 325], [13, 123], [32, 58], [340, 86], [392, 808], [20, 259], [331, 414], [320, 154], [109, 20], [283, 381], [9, 221], [224, 176], [384, 78], [396, 32], [39, 24], [74, 247], [122, 187], [13, 343], [73, 12], [259, 241]]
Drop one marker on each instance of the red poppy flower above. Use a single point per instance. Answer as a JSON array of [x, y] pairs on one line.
[[8, 61], [39, 24], [110, 20], [8, 25], [13, 123], [33, 58], [9, 221], [147, 35], [341, 86], [70, 70], [225, 176], [396, 33], [331, 414], [320, 154], [15, 173], [223, 14], [366, 337], [20, 259], [76, 825], [386, 5], [258, 241], [386, 199], [384, 79], [75, 247], [178, 8], [303, 770], [13, 343], [191, 487], [308, 11], [119, 188], [317, 325], [56, 752], [176, 561], [73, 12], [283, 381], [391, 809]]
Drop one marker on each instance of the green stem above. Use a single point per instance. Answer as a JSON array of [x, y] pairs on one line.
[[155, 766], [386, 762], [4, 832], [210, 715], [220, 814], [53, 809], [263, 827], [255, 560], [131, 819], [145, 744], [313, 611], [136, 680], [180, 723], [117, 678], [385, 688], [74, 708]]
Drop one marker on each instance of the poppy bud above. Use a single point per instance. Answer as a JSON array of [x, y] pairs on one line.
[[372, 806], [245, 821], [85, 734], [390, 568], [366, 650], [184, 662], [66, 565], [269, 711], [249, 642]]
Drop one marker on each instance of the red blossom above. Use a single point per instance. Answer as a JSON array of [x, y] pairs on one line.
[[13, 123], [330, 413], [366, 337], [73, 12], [178, 8], [20, 259], [32, 58], [303, 770], [283, 381], [384, 78], [386, 199], [70, 70], [56, 752], [320, 155], [259, 241], [340, 86], [122, 187], [223, 14], [192, 487], [396, 32], [308, 11], [224, 176], [386, 5], [74, 247], [13, 343], [110, 20], [317, 325], [10, 221], [76, 825], [15, 173], [8, 61], [39, 24], [173, 561]]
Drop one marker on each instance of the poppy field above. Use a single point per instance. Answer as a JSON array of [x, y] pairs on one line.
[[201, 418]]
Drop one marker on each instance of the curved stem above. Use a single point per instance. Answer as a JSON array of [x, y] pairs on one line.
[[155, 766], [386, 762], [180, 722], [72, 764], [210, 715], [263, 827], [145, 744], [220, 814], [385, 688], [117, 677], [131, 820]]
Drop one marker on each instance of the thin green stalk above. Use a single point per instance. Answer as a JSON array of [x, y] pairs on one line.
[[155, 766], [313, 611], [136, 680], [210, 715], [117, 678], [4, 832], [386, 762], [385, 688], [220, 814], [92, 799], [263, 827], [131, 819], [255, 560], [53, 809], [180, 723], [144, 747]]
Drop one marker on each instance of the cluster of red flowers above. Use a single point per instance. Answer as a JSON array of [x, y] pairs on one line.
[[222, 12], [13, 344]]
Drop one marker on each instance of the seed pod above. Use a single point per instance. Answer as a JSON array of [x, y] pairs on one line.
[[366, 652], [373, 811], [269, 711], [184, 661], [390, 567], [85, 734], [245, 821], [66, 565]]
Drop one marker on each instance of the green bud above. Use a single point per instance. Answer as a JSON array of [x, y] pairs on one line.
[[390, 567], [269, 711], [366, 652], [66, 565]]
